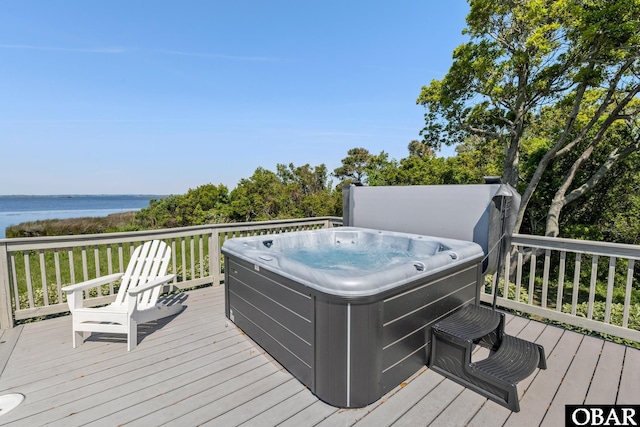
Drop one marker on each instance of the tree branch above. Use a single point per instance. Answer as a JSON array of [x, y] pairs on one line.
[[613, 157], [603, 106], [559, 148]]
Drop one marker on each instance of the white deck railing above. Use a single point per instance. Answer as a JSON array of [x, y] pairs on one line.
[[549, 276], [557, 279], [34, 270]]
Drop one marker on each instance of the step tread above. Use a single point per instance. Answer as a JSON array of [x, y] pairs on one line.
[[514, 361], [470, 322]]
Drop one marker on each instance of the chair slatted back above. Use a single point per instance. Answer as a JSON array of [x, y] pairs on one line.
[[149, 261]]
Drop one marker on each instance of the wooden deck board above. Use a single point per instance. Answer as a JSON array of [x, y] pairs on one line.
[[148, 390], [606, 379], [629, 392], [207, 411], [431, 405], [169, 400], [198, 368], [414, 390], [8, 342], [253, 407], [114, 365], [537, 397], [310, 415], [577, 380], [285, 409]]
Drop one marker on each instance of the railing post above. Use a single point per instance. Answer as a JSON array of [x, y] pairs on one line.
[[6, 315], [214, 257], [346, 202]]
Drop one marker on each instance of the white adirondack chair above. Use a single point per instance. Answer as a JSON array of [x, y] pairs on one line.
[[137, 299]]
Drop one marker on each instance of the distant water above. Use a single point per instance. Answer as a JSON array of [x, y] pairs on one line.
[[18, 209]]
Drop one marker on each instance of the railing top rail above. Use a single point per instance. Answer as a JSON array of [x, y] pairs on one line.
[[618, 250], [50, 242]]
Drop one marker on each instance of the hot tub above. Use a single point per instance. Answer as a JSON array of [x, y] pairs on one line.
[[348, 310]]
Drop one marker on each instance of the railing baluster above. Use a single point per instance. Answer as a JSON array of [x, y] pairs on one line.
[[110, 267], [174, 262], [576, 284], [192, 253], [519, 274], [120, 258], [72, 272], [532, 277], [545, 277], [592, 285], [96, 257], [215, 267], [109, 260], [201, 254], [56, 261], [610, 284], [43, 278], [627, 294], [183, 245], [85, 270], [16, 292], [27, 270], [563, 258]]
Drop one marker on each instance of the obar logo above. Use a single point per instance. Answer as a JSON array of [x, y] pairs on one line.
[[602, 415]]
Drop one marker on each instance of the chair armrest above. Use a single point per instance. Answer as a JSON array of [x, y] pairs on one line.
[[150, 285], [92, 283]]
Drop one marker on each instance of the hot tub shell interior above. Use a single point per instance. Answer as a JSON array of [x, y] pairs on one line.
[[349, 349]]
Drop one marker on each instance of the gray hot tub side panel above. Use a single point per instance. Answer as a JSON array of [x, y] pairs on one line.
[[306, 330], [408, 317], [277, 313]]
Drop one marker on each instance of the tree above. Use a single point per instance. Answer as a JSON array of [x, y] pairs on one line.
[[580, 57], [258, 198], [202, 205], [309, 188], [354, 165], [290, 192], [418, 149]]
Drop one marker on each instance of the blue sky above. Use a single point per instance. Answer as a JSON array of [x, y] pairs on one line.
[[158, 97]]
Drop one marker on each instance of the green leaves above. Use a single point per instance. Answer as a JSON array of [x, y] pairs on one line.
[[198, 206], [526, 59], [291, 192], [354, 165]]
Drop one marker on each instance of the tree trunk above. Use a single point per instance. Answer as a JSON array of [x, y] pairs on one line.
[[553, 216]]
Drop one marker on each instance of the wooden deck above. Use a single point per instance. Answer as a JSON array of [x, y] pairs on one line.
[[197, 368]]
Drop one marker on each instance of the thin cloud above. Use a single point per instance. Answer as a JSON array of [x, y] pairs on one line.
[[215, 55], [111, 50], [119, 50], [78, 121]]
